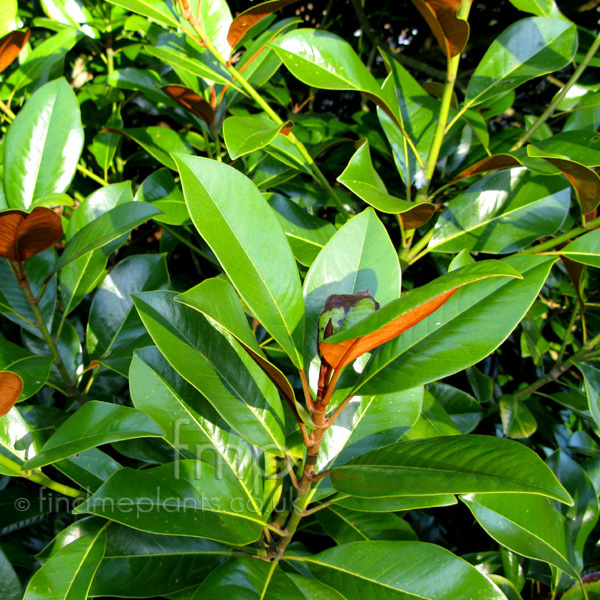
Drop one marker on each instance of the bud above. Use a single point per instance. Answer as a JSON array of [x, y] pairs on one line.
[[341, 311]]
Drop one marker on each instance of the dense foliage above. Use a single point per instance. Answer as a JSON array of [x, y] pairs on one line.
[[299, 300]]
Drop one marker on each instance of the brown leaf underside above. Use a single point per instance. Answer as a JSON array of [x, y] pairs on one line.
[[11, 387], [342, 354], [451, 32], [24, 235], [191, 101], [10, 46]]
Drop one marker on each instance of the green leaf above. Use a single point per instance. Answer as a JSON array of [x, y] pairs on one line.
[[16, 440], [398, 570], [394, 503], [95, 423], [326, 61], [141, 565], [517, 420], [162, 11], [526, 524], [213, 362], [579, 146], [433, 421], [346, 526], [104, 148], [182, 498], [193, 427], [106, 228], [8, 16], [591, 377], [360, 256], [306, 234], [32, 369], [33, 171], [159, 142], [542, 8], [253, 579], [69, 573], [246, 134], [504, 212], [427, 352], [448, 465], [40, 61], [529, 48], [585, 249], [464, 411], [228, 210], [160, 189], [11, 586], [89, 469], [113, 325], [360, 177]]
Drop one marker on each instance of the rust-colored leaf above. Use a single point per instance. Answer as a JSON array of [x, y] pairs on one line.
[[491, 163], [243, 22], [590, 216], [10, 46], [11, 387], [585, 182], [191, 101], [286, 128], [342, 354], [23, 235], [417, 216], [451, 32]]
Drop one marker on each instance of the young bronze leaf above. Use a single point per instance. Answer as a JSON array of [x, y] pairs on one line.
[[490, 163], [11, 387], [342, 354], [243, 22], [450, 31], [191, 101], [23, 235], [10, 46], [400, 315]]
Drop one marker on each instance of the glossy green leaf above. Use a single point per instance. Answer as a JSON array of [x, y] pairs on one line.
[[160, 189], [585, 249], [187, 497], [16, 439], [141, 565], [158, 10], [69, 573], [433, 421], [227, 210], [95, 423], [394, 503], [448, 465], [418, 113], [41, 60], [427, 352], [502, 213], [527, 524], [246, 134], [346, 526], [306, 234], [542, 8], [529, 48], [104, 148], [113, 325], [517, 420], [252, 579], [89, 469], [579, 146], [360, 256], [8, 16], [591, 377], [464, 411], [213, 362], [193, 427], [399, 570], [82, 276], [360, 177], [106, 228], [32, 171], [33, 370], [324, 60], [159, 142]]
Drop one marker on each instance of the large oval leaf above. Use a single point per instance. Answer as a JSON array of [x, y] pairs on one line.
[[399, 570], [95, 423], [448, 465], [503, 213], [527, 524], [213, 362], [51, 117], [585, 249], [229, 212], [527, 49], [187, 497], [477, 319]]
